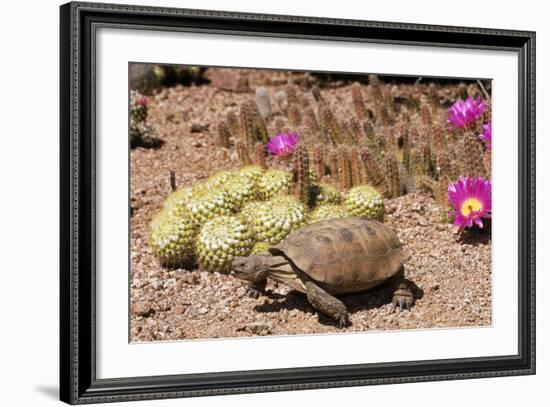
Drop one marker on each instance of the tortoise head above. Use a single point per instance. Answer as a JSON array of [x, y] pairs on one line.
[[251, 268]]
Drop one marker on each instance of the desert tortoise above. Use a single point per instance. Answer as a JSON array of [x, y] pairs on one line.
[[332, 257]]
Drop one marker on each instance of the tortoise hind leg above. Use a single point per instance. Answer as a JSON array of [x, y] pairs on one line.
[[327, 304], [402, 294]]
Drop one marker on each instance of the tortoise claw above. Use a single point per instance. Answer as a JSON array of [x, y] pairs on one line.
[[402, 301], [342, 322], [253, 292]]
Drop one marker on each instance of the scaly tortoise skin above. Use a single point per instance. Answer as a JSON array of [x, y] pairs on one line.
[[332, 257]]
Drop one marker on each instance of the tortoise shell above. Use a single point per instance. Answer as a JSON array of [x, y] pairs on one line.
[[344, 255]]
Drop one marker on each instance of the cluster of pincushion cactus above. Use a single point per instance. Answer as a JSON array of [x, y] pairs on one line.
[[142, 133], [314, 161], [244, 211]]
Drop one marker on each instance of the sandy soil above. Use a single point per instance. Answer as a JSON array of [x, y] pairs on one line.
[[451, 274]]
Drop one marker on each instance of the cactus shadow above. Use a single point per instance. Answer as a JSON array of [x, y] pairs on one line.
[[476, 236]]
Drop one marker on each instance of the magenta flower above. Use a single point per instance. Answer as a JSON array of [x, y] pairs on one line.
[[142, 101], [487, 135], [282, 144], [471, 201], [464, 113]]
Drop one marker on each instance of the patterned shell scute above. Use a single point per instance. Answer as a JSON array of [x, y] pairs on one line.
[[345, 251]]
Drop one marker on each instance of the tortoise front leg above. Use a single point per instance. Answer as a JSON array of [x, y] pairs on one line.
[[327, 304], [402, 294], [256, 289]]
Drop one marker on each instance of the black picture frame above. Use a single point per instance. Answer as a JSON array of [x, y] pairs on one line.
[[78, 382]]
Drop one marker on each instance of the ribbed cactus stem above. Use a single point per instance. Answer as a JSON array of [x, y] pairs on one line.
[[302, 177], [356, 167], [433, 96], [426, 158], [405, 146], [439, 139], [306, 136], [390, 110], [223, 135], [357, 134], [444, 166], [344, 169], [331, 162], [253, 127], [373, 173], [472, 157], [358, 103], [233, 125], [246, 121], [441, 193], [316, 92], [291, 95], [303, 102], [416, 162], [317, 158], [278, 125], [329, 125], [242, 153], [294, 115], [426, 115], [260, 154], [392, 176], [310, 119]]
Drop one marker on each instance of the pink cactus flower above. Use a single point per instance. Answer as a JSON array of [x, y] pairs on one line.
[[464, 113], [282, 144], [142, 101], [470, 198], [487, 135]]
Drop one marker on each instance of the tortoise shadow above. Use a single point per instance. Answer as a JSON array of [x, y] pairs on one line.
[[355, 302]]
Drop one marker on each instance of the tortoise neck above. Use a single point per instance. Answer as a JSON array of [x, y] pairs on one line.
[[274, 262]]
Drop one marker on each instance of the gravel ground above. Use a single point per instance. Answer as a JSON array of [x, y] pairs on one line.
[[451, 274]]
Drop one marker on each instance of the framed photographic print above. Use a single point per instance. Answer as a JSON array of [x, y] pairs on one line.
[[255, 203]]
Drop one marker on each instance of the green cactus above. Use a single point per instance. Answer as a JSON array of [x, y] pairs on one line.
[[358, 103], [472, 156], [318, 162], [223, 135], [221, 240], [218, 179], [241, 190], [252, 172], [373, 174], [274, 182], [232, 123], [207, 203], [261, 248], [242, 153], [356, 166], [178, 198], [310, 120], [426, 115], [294, 116], [393, 180], [364, 201], [323, 194], [344, 169], [260, 154], [273, 220], [302, 175], [173, 237], [329, 125], [328, 211]]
